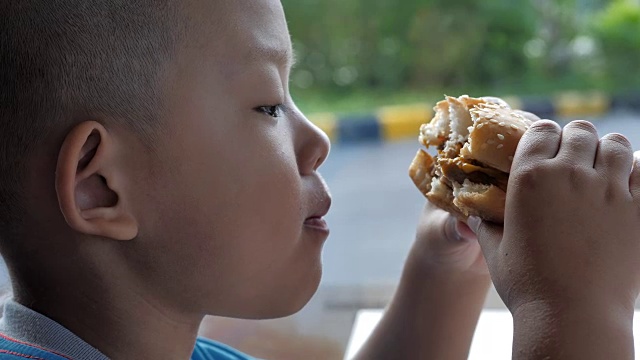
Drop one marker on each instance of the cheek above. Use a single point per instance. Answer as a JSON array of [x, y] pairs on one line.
[[264, 203], [244, 195], [261, 192], [233, 218]]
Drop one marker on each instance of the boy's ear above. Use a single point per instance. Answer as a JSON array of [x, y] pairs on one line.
[[90, 195]]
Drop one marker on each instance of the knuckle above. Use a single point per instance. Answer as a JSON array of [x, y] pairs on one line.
[[578, 176], [612, 194], [576, 171], [528, 176]]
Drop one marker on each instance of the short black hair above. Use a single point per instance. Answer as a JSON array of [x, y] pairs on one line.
[[64, 61]]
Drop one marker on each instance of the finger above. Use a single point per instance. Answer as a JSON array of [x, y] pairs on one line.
[[614, 158], [579, 143], [489, 236], [634, 179], [540, 142]]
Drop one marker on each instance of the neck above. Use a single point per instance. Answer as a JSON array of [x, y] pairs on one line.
[[111, 315]]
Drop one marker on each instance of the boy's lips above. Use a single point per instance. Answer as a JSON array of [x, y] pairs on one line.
[[316, 220], [317, 224]]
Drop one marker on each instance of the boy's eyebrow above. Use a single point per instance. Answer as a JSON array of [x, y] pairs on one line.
[[278, 55]]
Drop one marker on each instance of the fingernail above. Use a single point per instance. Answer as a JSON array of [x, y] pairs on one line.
[[465, 231], [474, 223], [451, 229]]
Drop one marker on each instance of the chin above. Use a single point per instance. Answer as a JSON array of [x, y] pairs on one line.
[[288, 301]]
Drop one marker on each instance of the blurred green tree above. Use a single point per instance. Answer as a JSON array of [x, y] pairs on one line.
[[617, 29], [386, 43], [522, 46]]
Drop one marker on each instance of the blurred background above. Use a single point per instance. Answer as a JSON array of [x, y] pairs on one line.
[[355, 56]]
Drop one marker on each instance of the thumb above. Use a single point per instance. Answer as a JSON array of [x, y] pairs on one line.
[[489, 235]]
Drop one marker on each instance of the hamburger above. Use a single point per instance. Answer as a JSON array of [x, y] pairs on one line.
[[474, 142]]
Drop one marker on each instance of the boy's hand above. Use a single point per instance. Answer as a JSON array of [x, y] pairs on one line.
[[435, 309], [447, 245], [572, 226]]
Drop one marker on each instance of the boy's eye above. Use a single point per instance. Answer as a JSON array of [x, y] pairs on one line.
[[275, 111]]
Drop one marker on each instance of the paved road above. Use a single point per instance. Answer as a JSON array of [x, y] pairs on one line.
[[376, 206]]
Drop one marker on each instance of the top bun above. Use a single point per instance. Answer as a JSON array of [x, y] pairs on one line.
[[494, 136]]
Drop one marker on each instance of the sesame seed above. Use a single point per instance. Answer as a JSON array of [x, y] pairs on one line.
[[500, 146], [491, 142], [480, 126], [515, 127], [500, 136], [502, 124], [493, 121]]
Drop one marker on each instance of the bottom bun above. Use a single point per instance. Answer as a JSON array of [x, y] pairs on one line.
[[420, 171], [441, 195], [484, 201]]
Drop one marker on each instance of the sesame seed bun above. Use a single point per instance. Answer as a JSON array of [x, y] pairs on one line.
[[495, 135], [476, 140]]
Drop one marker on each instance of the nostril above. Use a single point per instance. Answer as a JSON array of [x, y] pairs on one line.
[[319, 162], [323, 155]]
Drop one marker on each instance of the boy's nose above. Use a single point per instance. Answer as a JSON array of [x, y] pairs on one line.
[[312, 145]]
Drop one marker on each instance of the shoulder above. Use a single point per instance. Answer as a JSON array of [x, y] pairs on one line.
[[206, 349]]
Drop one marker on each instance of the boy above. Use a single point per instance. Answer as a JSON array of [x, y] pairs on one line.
[[154, 169]]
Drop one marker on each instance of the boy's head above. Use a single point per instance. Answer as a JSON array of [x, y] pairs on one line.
[[152, 147]]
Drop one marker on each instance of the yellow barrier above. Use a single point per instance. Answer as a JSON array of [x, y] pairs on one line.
[[513, 101], [573, 104], [403, 121], [400, 122], [327, 122]]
